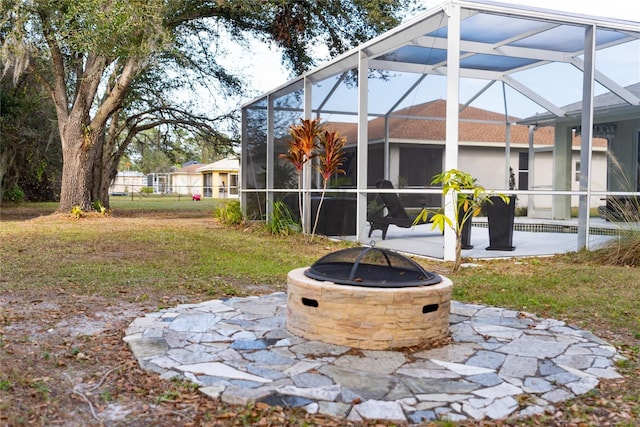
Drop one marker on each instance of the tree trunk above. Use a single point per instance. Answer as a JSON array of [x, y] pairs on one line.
[[107, 173], [458, 261], [77, 168], [108, 157], [102, 170], [102, 184], [80, 134], [5, 158], [96, 172]]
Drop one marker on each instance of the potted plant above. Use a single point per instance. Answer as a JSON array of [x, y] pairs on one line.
[[500, 218], [461, 189]]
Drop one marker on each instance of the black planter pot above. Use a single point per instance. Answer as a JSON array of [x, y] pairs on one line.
[[500, 217], [466, 232]]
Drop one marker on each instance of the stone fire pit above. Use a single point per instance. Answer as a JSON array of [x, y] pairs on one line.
[[388, 302]]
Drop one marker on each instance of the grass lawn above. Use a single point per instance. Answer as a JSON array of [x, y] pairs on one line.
[[103, 271]]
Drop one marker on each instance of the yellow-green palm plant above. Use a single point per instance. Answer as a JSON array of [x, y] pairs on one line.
[[467, 198], [302, 148], [331, 158]]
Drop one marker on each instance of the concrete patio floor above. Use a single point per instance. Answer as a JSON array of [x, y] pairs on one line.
[[423, 241]]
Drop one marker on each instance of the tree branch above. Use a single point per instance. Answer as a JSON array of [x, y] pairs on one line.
[[118, 92], [59, 88]]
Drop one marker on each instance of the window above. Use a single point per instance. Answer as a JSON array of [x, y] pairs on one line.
[[233, 183], [207, 184]]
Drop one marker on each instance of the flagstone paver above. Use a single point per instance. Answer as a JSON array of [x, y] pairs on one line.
[[239, 350]]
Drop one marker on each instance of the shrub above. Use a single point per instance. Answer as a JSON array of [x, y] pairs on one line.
[[624, 250], [229, 213], [282, 220], [76, 212], [13, 194], [97, 206], [624, 211], [146, 190]]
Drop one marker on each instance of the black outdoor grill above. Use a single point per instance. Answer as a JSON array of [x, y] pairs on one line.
[[371, 267]]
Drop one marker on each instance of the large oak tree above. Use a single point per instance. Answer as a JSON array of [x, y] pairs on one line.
[[87, 54]]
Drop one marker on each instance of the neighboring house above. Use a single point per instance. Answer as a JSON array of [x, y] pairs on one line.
[[416, 138], [127, 182], [616, 122], [159, 183], [187, 180], [217, 179], [220, 179]]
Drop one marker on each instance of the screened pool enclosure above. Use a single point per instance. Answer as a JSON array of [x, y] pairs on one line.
[[521, 98]]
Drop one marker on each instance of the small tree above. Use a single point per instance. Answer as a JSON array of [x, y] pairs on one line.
[[330, 162], [311, 140], [302, 148], [467, 197]]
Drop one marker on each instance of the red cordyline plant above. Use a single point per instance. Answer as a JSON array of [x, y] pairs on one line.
[[330, 162], [302, 148], [305, 136]]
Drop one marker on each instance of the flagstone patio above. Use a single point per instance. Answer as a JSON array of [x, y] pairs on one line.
[[500, 363]]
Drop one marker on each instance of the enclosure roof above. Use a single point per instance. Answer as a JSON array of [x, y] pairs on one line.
[[497, 40], [604, 106]]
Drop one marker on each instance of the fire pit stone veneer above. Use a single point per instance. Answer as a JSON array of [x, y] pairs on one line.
[[374, 318]]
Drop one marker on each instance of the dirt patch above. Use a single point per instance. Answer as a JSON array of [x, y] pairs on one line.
[[64, 363]]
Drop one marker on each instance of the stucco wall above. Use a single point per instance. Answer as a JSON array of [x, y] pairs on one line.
[[186, 183], [488, 165], [125, 183]]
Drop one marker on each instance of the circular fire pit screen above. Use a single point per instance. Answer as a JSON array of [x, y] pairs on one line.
[[369, 299], [371, 267]]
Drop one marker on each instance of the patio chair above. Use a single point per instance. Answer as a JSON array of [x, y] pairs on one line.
[[396, 214]]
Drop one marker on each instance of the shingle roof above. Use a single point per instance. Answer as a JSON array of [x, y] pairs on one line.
[[190, 168], [228, 164], [426, 122]]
